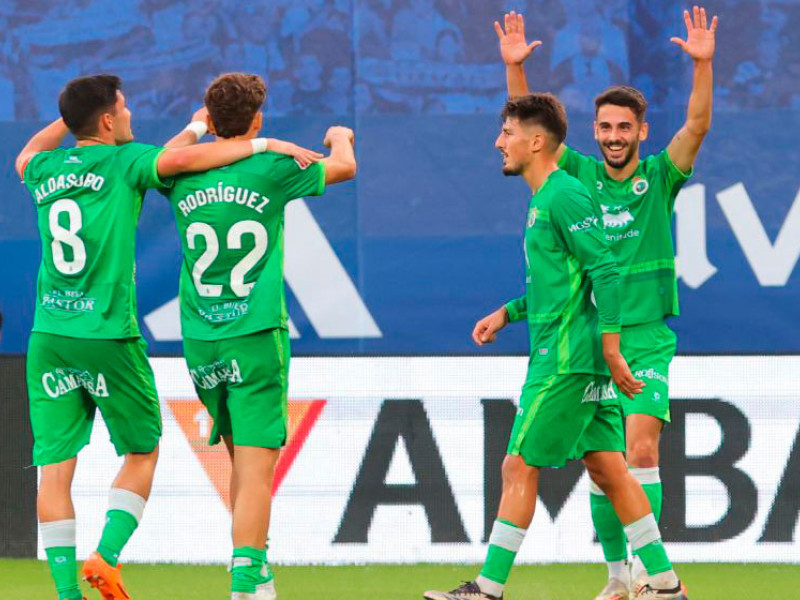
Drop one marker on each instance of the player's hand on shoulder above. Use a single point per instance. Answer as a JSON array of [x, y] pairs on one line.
[[338, 131], [485, 331], [303, 156]]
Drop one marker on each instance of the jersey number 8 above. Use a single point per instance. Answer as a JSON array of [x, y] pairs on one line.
[[234, 242], [68, 237]]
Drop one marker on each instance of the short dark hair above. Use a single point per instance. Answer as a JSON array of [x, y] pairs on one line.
[[622, 95], [544, 110], [84, 99], [232, 100]]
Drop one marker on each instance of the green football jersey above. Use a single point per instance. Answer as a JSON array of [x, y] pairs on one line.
[[637, 216], [88, 201], [230, 222], [567, 259]]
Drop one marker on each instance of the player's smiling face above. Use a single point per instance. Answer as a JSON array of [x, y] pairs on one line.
[[618, 133], [514, 143]]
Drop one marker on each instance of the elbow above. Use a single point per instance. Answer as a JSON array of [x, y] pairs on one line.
[[351, 170]]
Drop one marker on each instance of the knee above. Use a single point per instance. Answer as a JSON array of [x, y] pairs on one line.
[[643, 453], [143, 459], [515, 471]]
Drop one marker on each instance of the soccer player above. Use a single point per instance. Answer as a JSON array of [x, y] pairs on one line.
[[636, 198], [568, 408], [86, 351], [233, 310]]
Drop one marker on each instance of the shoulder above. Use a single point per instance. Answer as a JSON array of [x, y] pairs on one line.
[[133, 150], [43, 164]]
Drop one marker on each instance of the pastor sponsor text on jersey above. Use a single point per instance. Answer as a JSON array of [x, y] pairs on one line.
[[223, 193]]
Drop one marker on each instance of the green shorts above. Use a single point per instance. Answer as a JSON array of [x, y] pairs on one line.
[[69, 378], [649, 349], [562, 417], [243, 382]]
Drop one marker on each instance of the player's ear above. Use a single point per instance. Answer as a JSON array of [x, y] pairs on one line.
[[106, 122], [644, 131], [594, 129], [258, 121], [211, 129]]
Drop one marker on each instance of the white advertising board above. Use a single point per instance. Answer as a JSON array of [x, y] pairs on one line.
[[397, 460]]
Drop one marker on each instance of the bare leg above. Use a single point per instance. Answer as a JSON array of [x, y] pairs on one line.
[[520, 486], [253, 470], [54, 500], [136, 474]]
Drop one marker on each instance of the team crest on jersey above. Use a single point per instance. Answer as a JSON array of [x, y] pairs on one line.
[[615, 217], [639, 185], [599, 186]]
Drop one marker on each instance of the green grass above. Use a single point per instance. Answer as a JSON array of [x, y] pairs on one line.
[[29, 580]]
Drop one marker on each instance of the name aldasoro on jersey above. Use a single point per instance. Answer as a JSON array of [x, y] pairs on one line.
[[66, 182], [223, 193]]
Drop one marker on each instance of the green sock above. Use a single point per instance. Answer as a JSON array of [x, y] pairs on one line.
[[654, 558], [504, 543], [655, 494], [64, 570], [246, 570], [610, 531], [647, 545], [119, 528]]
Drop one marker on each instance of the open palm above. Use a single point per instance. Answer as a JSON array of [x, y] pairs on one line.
[[699, 42], [513, 47]]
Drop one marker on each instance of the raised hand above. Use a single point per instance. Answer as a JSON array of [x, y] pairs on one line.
[[700, 38], [338, 131], [513, 47], [201, 114], [303, 156]]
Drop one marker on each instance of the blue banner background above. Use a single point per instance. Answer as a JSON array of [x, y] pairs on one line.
[[430, 232]]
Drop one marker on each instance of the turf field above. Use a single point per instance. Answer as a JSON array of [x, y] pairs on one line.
[[28, 580]]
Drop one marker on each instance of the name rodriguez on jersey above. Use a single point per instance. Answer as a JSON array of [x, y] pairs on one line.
[[223, 193]]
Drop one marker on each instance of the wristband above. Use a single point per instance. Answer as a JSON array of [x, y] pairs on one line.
[[259, 145], [198, 128]]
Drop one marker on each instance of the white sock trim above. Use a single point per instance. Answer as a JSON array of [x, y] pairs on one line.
[[130, 502], [489, 587], [646, 475], [506, 536], [57, 534], [595, 489], [619, 569], [642, 532]]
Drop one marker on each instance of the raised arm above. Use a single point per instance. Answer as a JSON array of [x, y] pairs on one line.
[[45, 140], [193, 132], [198, 127], [341, 164], [514, 50], [202, 157], [699, 44]]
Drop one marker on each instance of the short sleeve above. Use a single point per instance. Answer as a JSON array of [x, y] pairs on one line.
[[33, 173], [297, 182], [672, 176], [138, 164], [575, 163]]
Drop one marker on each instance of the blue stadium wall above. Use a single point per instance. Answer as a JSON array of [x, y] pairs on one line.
[[429, 235]]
